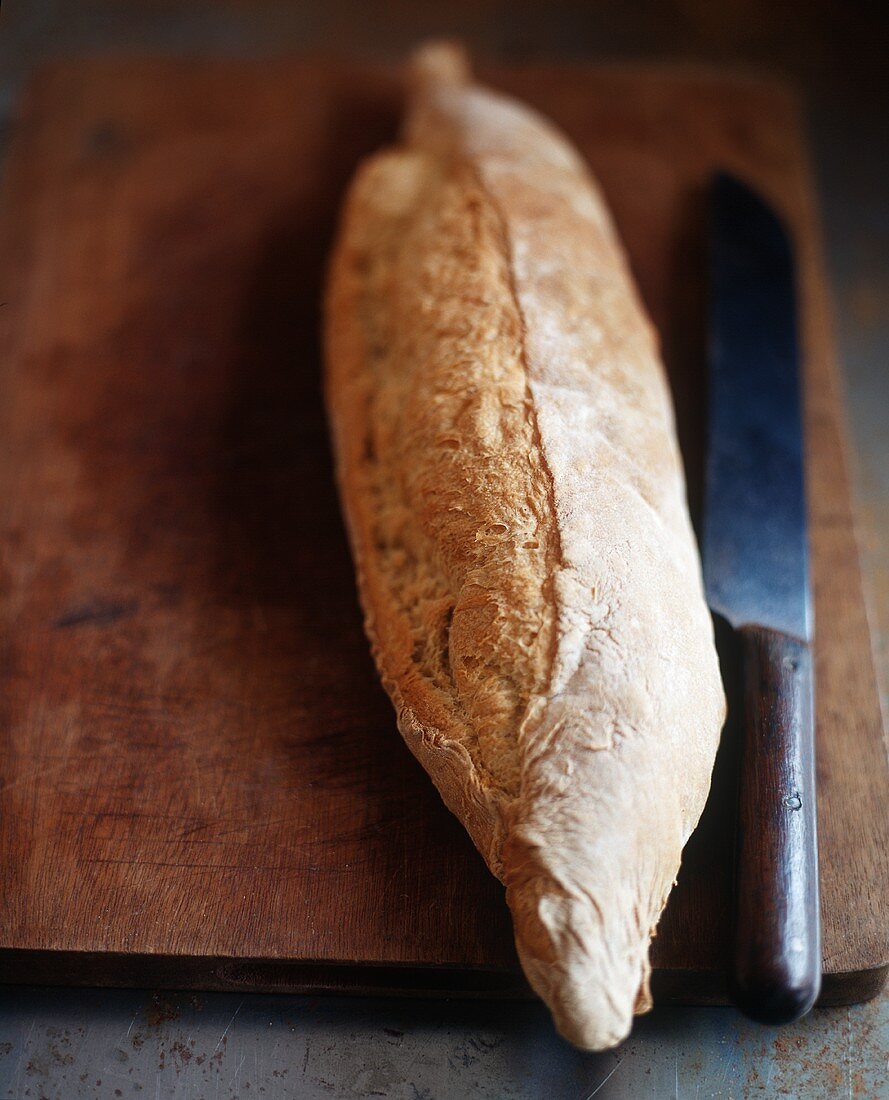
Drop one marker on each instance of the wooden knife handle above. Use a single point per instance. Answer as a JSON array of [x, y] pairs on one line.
[[777, 950]]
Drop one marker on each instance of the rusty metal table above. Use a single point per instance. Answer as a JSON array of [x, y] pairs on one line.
[[121, 1043]]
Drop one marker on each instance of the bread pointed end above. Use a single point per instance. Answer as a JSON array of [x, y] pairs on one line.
[[593, 980], [436, 64], [437, 75]]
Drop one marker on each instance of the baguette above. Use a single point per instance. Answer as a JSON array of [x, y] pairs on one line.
[[513, 491]]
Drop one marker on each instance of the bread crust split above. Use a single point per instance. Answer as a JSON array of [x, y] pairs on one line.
[[512, 485]]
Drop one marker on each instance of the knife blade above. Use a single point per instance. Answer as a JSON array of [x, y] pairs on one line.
[[756, 573]]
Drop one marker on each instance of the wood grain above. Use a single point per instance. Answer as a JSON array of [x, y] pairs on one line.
[[202, 780]]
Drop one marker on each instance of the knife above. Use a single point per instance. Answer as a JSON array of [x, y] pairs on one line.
[[756, 572]]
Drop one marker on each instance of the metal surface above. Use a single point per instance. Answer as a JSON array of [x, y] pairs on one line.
[[755, 553], [59, 1043], [71, 1045]]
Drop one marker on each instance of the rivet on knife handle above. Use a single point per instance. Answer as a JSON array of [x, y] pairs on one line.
[[777, 951]]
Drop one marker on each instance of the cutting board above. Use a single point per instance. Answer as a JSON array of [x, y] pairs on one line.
[[203, 785]]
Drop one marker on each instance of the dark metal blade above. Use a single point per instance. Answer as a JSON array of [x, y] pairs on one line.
[[754, 547]]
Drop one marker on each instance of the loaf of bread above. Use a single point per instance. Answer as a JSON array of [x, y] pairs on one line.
[[512, 485]]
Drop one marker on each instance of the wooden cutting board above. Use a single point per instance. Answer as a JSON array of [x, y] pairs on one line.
[[202, 781]]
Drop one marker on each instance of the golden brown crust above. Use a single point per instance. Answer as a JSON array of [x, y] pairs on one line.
[[456, 548], [512, 486]]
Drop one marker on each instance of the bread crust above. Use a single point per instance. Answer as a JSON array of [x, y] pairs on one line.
[[513, 491]]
